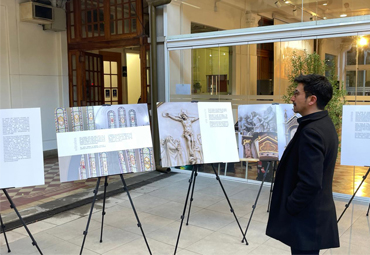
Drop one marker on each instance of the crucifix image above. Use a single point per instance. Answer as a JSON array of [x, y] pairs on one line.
[[188, 134]]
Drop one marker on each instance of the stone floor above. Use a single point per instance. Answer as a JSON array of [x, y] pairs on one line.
[[212, 228], [346, 178]]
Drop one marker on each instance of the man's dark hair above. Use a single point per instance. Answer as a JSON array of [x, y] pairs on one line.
[[318, 85]]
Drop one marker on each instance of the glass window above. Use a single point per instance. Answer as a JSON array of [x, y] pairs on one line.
[[226, 15], [262, 74]]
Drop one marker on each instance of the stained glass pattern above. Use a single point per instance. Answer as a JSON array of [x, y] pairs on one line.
[[111, 119], [76, 115], [90, 118], [102, 163], [61, 121], [122, 117], [133, 120]]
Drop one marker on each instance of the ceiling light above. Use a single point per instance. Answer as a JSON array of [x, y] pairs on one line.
[[326, 3], [278, 4], [324, 17], [343, 15], [362, 41]]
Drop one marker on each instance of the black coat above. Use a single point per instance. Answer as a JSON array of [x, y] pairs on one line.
[[302, 213]]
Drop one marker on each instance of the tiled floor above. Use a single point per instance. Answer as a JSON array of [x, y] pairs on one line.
[[34, 195], [212, 228], [346, 178]]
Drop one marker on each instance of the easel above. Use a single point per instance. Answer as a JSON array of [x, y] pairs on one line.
[[3, 229], [192, 180], [12, 205], [272, 185], [354, 194], [103, 212], [258, 194]]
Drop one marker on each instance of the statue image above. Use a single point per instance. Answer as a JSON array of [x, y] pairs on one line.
[[269, 120], [184, 146], [257, 122], [186, 122], [171, 152]]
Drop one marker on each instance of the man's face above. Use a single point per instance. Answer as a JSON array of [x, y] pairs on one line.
[[299, 100]]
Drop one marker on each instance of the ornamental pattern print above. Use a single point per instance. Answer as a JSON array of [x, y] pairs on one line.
[[104, 163], [122, 154]]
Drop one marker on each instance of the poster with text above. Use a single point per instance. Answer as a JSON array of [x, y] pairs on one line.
[[355, 135], [21, 152], [265, 130], [196, 133], [103, 140]]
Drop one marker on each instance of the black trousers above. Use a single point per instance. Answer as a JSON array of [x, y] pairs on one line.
[[295, 251]]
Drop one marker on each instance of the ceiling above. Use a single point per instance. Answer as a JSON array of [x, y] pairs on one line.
[[314, 9]]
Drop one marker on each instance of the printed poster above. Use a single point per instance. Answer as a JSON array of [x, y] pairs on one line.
[[196, 133], [21, 152], [355, 135], [98, 141], [265, 130]]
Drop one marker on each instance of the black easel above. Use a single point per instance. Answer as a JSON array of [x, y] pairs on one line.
[[12, 205], [272, 186], [103, 213], [354, 194], [192, 179], [258, 194], [3, 229]]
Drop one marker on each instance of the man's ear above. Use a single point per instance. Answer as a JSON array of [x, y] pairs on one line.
[[312, 100]]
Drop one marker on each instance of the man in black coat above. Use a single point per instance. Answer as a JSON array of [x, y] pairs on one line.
[[302, 213]]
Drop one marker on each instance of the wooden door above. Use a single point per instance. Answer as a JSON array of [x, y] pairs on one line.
[[86, 82], [112, 77], [216, 83]]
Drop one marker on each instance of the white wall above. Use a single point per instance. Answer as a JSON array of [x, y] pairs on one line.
[[34, 68]]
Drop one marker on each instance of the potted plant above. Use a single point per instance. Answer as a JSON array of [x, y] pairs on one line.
[[197, 87], [312, 64]]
